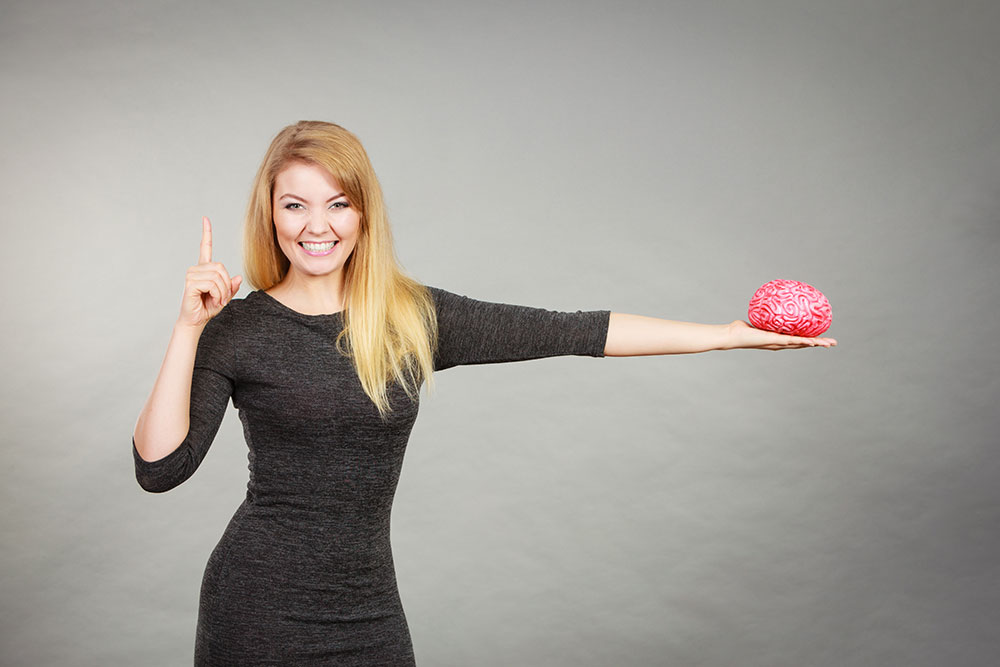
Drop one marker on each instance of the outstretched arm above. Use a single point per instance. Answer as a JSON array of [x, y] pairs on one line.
[[472, 331], [634, 335]]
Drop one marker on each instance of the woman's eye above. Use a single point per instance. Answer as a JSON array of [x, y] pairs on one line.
[[337, 204]]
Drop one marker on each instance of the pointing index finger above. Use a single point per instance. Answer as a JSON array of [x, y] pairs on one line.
[[206, 241]]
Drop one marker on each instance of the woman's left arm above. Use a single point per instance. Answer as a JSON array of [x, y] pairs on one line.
[[634, 335]]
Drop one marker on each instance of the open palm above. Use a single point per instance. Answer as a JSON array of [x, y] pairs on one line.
[[744, 336]]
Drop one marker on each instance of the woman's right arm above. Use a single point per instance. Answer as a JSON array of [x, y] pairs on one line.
[[164, 423], [164, 420]]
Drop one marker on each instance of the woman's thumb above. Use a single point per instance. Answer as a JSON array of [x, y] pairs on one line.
[[236, 283]]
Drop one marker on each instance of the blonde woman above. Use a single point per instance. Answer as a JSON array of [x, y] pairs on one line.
[[324, 361]]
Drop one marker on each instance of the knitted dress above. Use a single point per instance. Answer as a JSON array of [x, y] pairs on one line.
[[303, 574]]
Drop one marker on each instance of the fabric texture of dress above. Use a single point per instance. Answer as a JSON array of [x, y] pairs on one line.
[[303, 574]]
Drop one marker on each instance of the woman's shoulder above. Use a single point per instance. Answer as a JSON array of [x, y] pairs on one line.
[[442, 296], [234, 314], [253, 303]]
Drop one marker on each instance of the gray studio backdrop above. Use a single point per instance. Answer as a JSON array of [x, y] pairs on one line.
[[812, 507]]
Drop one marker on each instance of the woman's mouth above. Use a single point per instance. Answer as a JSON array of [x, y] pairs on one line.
[[318, 249]]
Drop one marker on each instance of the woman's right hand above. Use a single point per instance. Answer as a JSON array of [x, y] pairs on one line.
[[208, 287]]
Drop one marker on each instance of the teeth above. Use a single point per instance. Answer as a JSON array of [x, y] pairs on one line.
[[318, 247]]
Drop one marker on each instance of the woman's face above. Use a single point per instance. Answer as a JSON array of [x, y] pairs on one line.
[[310, 212]]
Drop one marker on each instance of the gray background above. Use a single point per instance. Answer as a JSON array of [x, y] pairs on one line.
[[811, 507]]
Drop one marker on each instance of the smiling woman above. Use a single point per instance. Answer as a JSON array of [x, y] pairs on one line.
[[317, 229], [316, 184], [324, 361]]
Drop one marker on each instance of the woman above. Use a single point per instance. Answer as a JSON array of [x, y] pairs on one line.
[[324, 362]]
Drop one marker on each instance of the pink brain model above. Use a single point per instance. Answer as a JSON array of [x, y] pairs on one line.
[[790, 307]]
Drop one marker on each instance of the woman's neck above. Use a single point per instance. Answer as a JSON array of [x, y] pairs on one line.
[[313, 295]]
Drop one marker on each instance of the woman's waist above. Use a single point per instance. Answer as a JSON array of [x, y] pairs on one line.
[[370, 501], [346, 533], [317, 517]]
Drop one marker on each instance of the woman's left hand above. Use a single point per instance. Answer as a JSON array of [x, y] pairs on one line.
[[741, 335]]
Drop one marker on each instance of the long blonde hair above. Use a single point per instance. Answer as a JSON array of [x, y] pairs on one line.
[[390, 327]]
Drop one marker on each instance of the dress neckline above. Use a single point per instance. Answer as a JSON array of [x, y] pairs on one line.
[[291, 311]]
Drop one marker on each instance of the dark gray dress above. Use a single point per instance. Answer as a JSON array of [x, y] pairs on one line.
[[303, 574]]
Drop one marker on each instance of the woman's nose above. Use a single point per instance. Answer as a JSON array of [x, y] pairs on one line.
[[317, 221]]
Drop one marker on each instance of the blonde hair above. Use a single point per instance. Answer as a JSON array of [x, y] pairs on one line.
[[390, 327]]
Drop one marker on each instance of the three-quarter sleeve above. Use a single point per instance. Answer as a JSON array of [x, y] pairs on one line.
[[482, 332], [212, 384]]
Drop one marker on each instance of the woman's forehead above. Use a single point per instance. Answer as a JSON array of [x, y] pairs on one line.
[[300, 175]]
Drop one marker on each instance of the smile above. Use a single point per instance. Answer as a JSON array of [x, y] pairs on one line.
[[318, 249]]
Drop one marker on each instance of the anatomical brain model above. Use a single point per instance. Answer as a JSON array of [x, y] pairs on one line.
[[790, 307]]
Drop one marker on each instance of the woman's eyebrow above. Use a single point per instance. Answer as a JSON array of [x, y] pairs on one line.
[[289, 194]]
